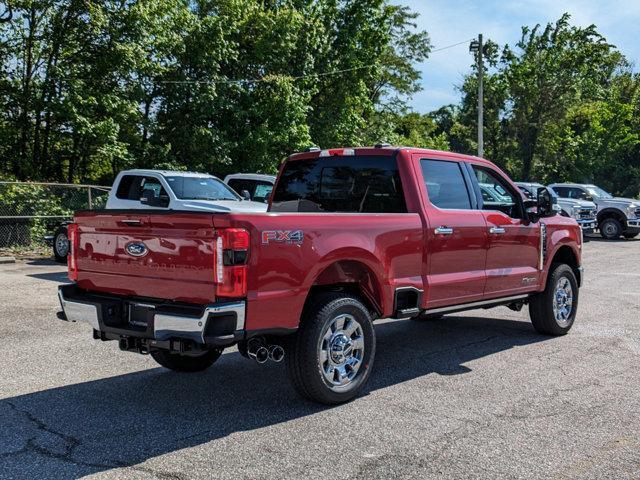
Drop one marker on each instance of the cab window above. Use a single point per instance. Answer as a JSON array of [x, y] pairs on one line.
[[132, 186], [445, 184]]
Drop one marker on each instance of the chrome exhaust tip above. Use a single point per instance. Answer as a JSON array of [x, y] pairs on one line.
[[276, 353], [259, 354]]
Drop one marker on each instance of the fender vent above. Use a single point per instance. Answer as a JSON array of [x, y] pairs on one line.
[[543, 246]]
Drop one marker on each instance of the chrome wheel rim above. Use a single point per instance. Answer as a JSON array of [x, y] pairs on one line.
[[563, 302], [62, 245], [341, 351]]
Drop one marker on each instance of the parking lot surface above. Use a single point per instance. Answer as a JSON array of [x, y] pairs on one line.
[[474, 395]]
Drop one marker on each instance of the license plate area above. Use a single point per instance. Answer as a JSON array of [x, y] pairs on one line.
[[137, 314]]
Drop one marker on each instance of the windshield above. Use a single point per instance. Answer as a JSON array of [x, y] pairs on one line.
[[597, 192], [200, 188]]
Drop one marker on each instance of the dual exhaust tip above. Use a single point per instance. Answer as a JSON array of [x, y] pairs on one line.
[[262, 353]]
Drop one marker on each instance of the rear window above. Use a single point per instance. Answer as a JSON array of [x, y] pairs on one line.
[[340, 184]]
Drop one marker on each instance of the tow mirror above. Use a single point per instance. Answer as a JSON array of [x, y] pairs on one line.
[[245, 194], [547, 203]]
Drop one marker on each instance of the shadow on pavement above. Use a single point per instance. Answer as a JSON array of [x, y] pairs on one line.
[[85, 428], [58, 277]]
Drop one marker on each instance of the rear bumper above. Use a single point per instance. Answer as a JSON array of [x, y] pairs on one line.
[[111, 318]]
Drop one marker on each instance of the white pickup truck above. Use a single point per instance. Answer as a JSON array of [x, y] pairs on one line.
[[169, 190], [165, 190]]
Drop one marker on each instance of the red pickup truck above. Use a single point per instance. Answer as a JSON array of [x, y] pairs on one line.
[[351, 235]]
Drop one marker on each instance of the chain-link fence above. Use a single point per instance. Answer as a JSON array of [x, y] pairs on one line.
[[29, 211]]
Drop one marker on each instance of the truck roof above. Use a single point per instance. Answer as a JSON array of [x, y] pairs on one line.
[[566, 184], [177, 173], [251, 176], [386, 150]]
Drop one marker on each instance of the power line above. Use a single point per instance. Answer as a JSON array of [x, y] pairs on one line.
[[451, 46], [298, 77]]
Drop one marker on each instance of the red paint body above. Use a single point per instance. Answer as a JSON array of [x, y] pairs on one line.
[[378, 252]]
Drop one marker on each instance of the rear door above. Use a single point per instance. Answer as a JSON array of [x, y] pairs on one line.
[[513, 250], [456, 235]]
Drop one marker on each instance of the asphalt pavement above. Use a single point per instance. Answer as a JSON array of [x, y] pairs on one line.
[[474, 395]]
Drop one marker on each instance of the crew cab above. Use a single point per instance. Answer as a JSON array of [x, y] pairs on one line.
[[351, 236], [584, 211], [616, 216]]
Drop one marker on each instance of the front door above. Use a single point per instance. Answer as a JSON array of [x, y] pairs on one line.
[[514, 243], [456, 236]]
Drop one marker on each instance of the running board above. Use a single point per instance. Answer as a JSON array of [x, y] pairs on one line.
[[496, 302]]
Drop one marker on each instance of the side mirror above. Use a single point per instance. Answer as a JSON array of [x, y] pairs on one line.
[[245, 194], [544, 206], [546, 203], [149, 198]]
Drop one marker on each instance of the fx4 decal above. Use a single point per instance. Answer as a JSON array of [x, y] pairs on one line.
[[282, 236]]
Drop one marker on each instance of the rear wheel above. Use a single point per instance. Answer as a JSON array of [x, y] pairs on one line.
[[330, 357], [61, 245], [186, 363], [553, 311], [610, 229]]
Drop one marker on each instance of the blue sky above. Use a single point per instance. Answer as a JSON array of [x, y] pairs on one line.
[[453, 21]]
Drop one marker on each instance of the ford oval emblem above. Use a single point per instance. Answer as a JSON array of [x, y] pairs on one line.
[[136, 249]]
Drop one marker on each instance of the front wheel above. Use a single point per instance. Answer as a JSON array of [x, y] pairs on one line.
[[186, 363], [553, 311], [610, 229], [330, 358]]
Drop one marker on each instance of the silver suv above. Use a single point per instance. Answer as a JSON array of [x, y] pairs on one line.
[[584, 211], [616, 216]]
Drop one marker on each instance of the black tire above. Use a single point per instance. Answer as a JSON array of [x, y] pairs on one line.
[[610, 229], [306, 370], [186, 363], [428, 318], [60, 239], [541, 306], [629, 236]]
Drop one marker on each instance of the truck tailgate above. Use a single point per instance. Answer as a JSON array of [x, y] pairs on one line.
[[145, 254]]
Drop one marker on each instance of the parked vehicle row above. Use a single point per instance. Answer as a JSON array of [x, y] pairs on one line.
[[174, 190], [351, 235], [592, 207]]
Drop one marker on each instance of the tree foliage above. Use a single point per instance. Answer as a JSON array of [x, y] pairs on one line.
[[561, 105], [88, 88]]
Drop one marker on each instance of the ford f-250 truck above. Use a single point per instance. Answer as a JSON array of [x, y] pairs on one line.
[[351, 235]]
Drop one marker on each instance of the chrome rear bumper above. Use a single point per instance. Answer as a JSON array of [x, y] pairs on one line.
[[216, 324]]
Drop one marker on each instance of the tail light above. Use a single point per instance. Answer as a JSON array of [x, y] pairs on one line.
[[72, 263], [231, 255]]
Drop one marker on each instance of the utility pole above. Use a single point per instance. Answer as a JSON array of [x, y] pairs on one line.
[[477, 47]]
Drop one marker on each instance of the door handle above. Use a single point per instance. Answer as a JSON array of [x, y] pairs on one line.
[[131, 222], [443, 231], [497, 230]]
